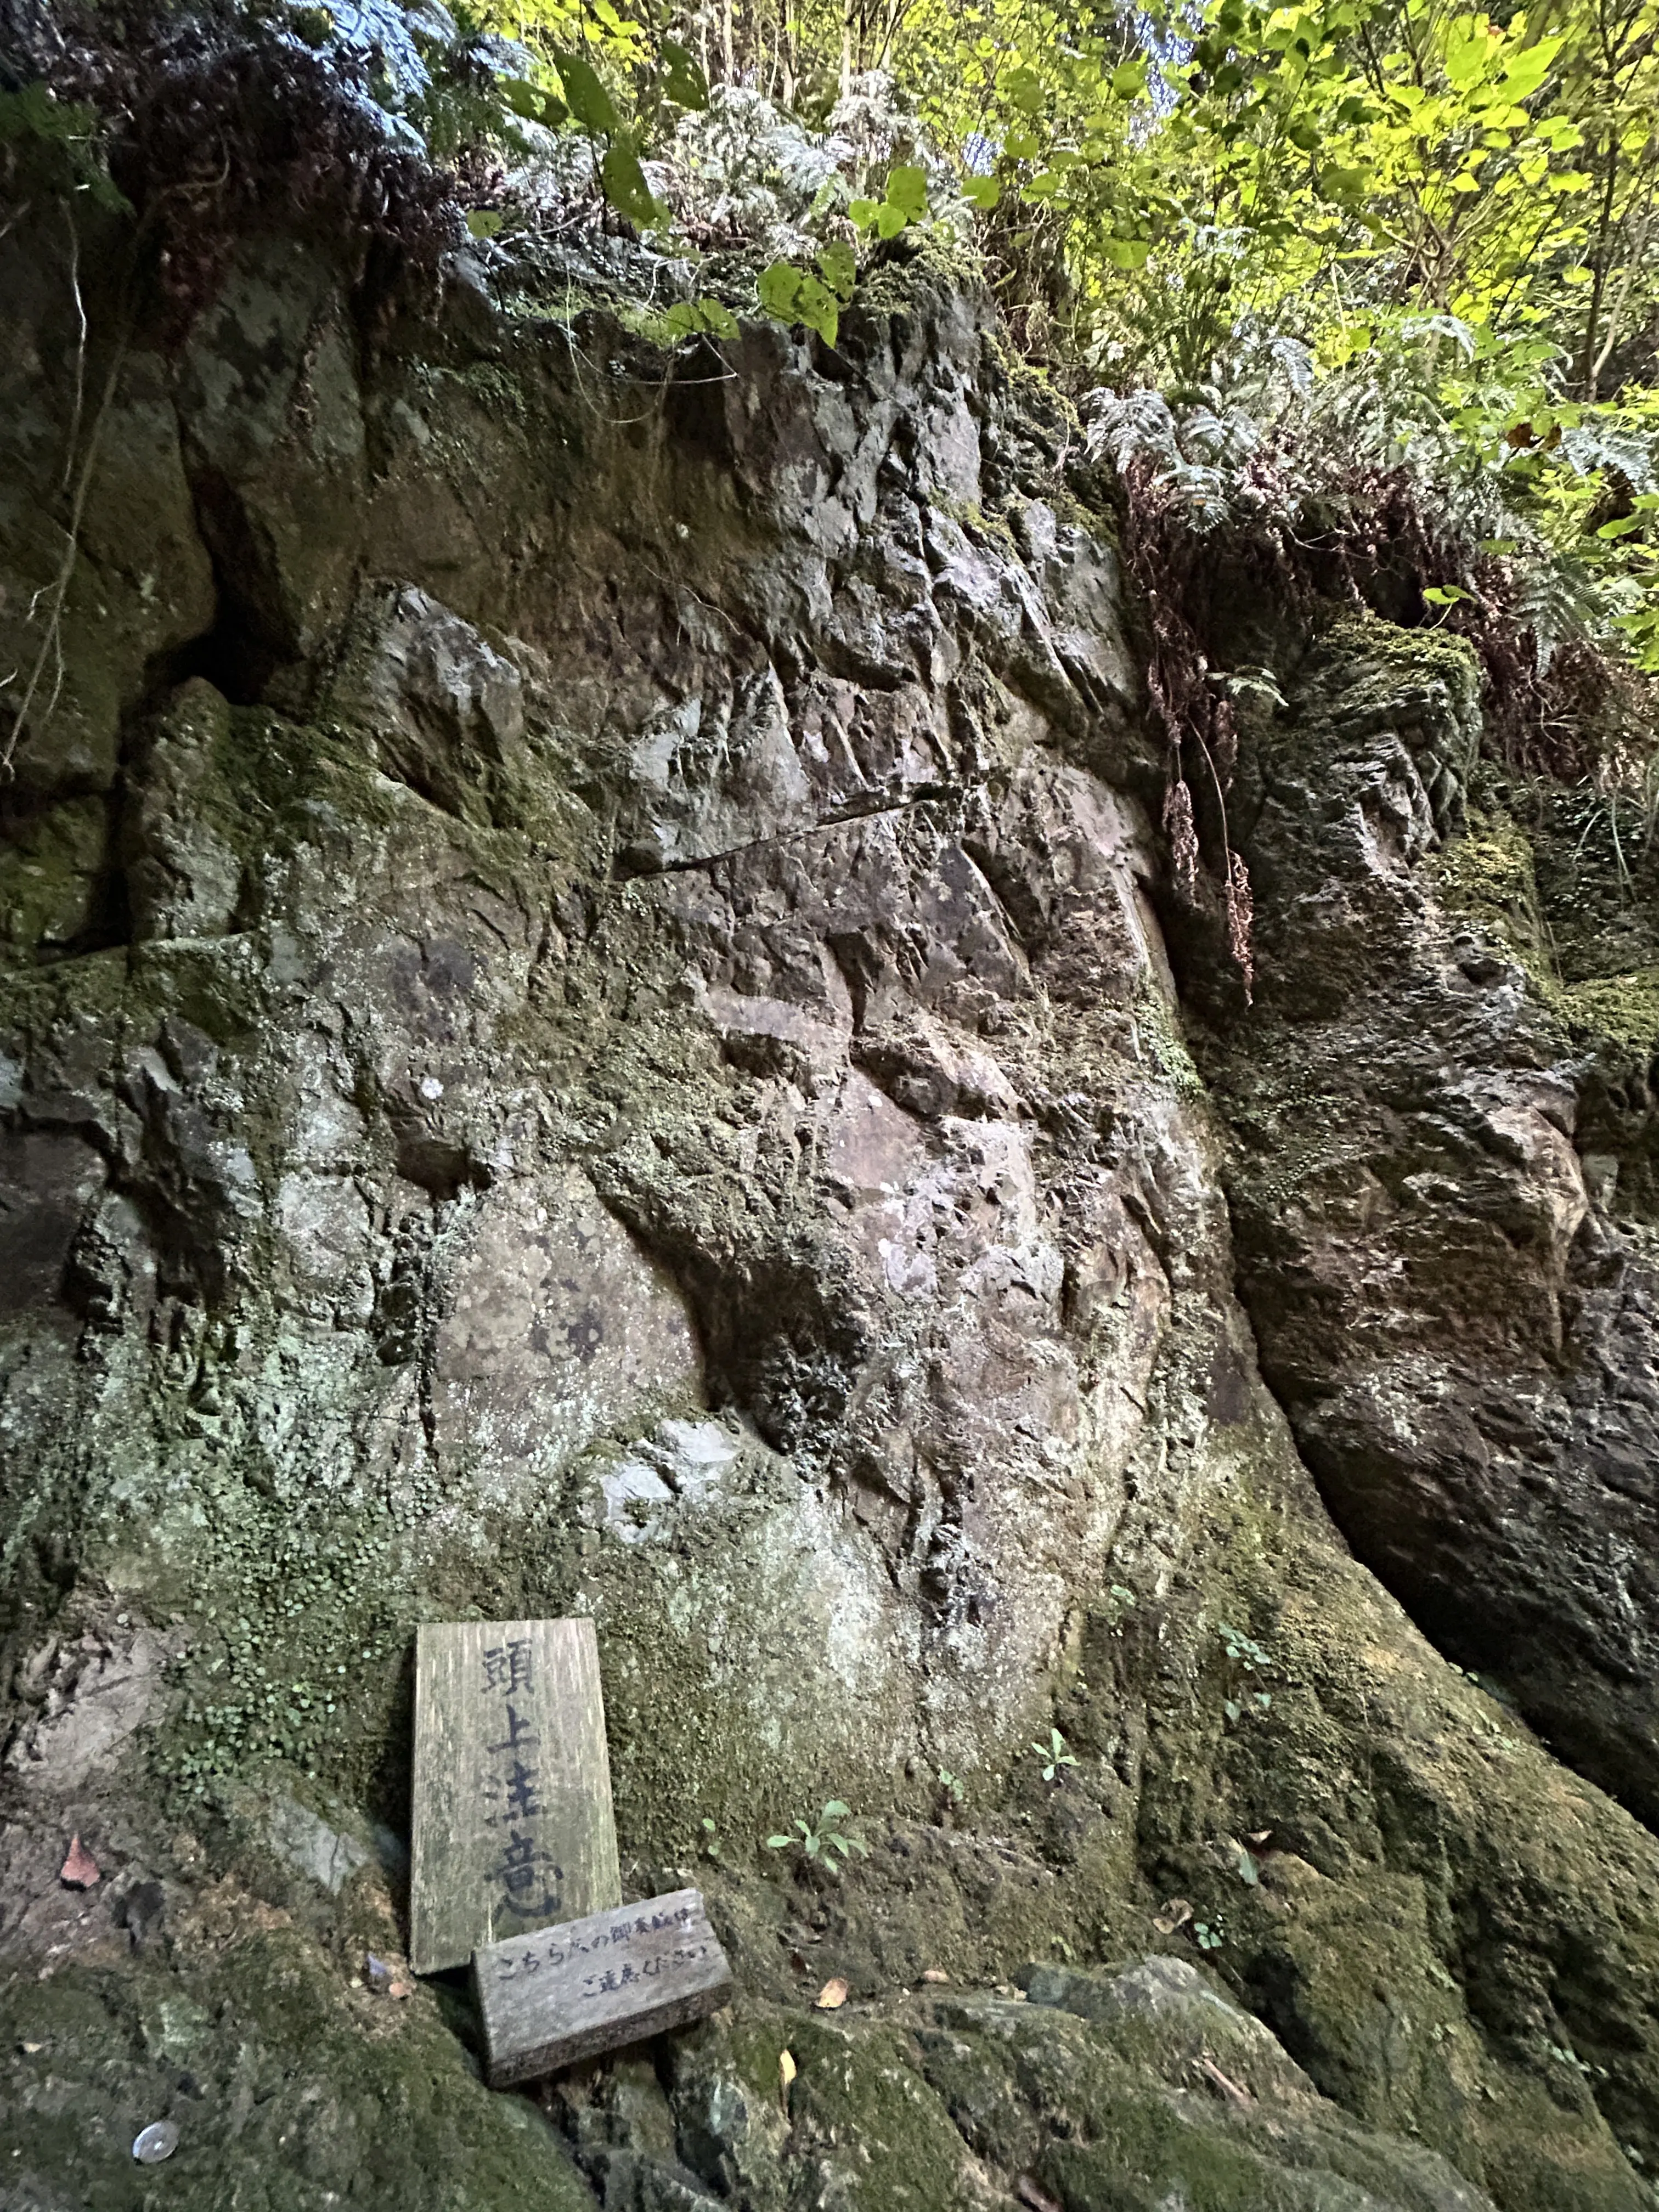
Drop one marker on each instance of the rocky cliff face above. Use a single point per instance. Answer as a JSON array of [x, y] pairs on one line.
[[1439, 1187], [587, 1028]]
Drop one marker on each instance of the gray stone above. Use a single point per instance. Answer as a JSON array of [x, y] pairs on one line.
[[312, 1847]]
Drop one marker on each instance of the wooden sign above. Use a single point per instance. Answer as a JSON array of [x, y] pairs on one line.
[[513, 1826], [614, 1977]]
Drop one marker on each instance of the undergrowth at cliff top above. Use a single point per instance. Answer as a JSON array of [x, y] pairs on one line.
[[1361, 287], [1341, 240], [1431, 224]]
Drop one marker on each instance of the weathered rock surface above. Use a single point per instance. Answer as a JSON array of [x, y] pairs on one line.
[[586, 1030], [1458, 1317]]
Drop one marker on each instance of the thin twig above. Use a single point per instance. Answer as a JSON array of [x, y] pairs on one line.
[[58, 592], [73, 438]]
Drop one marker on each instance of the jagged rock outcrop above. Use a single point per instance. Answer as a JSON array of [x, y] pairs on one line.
[[586, 1028], [1455, 1306]]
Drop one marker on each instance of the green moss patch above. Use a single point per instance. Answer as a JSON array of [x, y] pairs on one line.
[[289, 2091]]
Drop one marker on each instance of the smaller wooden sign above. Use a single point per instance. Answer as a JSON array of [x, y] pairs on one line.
[[512, 1825], [614, 1977]]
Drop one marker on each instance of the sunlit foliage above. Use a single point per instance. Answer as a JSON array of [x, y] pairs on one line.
[[1455, 208]]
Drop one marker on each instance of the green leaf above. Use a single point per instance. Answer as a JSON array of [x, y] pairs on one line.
[[779, 1842], [817, 306], [984, 192], [1127, 253], [1443, 595], [907, 189], [683, 82], [840, 267], [625, 187], [1129, 81], [862, 213], [1467, 58], [835, 1810], [890, 220], [1526, 70], [1024, 88], [779, 288], [526, 99], [1343, 185], [701, 318], [483, 223], [590, 103]]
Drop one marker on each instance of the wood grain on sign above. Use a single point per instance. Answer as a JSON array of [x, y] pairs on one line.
[[614, 1977], [513, 1826]]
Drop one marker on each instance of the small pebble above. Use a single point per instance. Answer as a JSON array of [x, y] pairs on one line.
[[156, 2141]]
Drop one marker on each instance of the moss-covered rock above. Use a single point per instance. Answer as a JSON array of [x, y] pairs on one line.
[[289, 2088], [1450, 1299]]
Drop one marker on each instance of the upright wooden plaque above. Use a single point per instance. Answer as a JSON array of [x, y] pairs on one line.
[[614, 1977], [513, 1826]]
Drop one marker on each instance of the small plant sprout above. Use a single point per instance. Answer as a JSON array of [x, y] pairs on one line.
[[1054, 1754], [1258, 1701], [951, 1785], [828, 1842], [1248, 1656], [1209, 1934], [711, 1847], [1245, 1863], [1243, 1650]]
